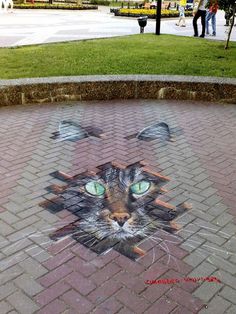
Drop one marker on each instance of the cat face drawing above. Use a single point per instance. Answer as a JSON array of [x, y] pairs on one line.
[[116, 207]]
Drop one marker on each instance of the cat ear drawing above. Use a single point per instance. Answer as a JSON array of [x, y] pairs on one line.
[[69, 130], [158, 131]]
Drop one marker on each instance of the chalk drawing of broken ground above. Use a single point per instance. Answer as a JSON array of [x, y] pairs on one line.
[[116, 207], [72, 131], [69, 130], [158, 131]]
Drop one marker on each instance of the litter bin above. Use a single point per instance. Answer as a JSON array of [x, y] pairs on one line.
[[142, 21]]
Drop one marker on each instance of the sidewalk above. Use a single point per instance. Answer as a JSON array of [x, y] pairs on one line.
[[41, 275], [26, 27]]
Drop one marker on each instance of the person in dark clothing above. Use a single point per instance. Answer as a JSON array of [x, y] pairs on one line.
[[200, 12]]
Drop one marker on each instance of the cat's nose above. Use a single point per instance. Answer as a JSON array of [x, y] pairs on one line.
[[120, 218]]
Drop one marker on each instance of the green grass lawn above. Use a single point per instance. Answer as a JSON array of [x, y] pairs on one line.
[[136, 54]]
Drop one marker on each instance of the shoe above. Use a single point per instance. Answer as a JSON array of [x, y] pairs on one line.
[[202, 36], [213, 34], [177, 24], [195, 35], [183, 25], [207, 33]]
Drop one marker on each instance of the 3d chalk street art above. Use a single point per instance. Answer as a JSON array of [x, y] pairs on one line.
[[117, 206]]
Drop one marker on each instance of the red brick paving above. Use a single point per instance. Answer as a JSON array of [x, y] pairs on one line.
[[200, 164]]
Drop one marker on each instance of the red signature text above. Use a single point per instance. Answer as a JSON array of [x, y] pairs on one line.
[[177, 280]]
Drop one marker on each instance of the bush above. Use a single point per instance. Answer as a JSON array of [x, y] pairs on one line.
[[54, 6], [151, 13]]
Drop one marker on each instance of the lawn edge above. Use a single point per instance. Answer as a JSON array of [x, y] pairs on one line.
[[106, 87]]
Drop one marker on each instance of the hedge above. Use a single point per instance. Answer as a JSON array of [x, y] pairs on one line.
[[54, 6], [151, 13]]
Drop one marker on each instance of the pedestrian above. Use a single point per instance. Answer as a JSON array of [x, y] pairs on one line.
[[228, 15], [8, 3], [200, 12], [182, 5], [211, 15]]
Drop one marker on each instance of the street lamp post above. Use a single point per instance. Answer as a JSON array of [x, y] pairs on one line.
[[158, 17]]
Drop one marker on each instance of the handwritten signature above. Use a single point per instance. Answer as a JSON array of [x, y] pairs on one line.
[[177, 280]]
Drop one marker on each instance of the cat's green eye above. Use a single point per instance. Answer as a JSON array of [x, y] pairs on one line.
[[95, 188], [140, 187]]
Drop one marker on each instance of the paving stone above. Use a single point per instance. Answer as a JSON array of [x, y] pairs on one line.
[[231, 244], [22, 303], [221, 263], [37, 253], [194, 259], [105, 273], [206, 225], [9, 274], [217, 305], [55, 275], [3, 242], [210, 236], [202, 215], [28, 285], [8, 217], [21, 234], [209, 191], [59, 259], [5, 228], [52, 293], [228, 231], [78, 282], [207, 290], [110, 306], [55, 307], [181, 310], [77, 301], [25, 222], [132, 282], [12, 260], [16, 246], [135, 303], [6, 290], [33, 268], [231, 310], [203, 270], [212, 200], [229, 294], [223, 219], [5, 307], [104, 291], [217, 209]]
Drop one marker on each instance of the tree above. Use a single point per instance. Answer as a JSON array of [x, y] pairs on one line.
[[229, 6]]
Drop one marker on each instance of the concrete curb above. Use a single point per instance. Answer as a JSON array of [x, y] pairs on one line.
[[106, 87]]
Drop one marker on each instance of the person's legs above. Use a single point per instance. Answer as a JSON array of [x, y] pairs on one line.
[[213, 23], [203, 21], [184, 22], [196, 17], [181, 16], [208, 17]]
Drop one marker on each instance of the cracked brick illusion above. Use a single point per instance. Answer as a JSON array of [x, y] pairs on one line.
[[115, 207]]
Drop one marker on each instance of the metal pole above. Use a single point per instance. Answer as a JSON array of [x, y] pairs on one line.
[[158, 17]]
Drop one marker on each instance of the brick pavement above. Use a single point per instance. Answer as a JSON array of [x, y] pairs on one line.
[[39, 275]]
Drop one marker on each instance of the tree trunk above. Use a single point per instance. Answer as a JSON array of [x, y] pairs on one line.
[[230, 27]]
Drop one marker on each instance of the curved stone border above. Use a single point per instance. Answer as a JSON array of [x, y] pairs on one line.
[[105, 87]]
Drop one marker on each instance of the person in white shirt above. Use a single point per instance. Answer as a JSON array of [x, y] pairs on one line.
[[201, 12]]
